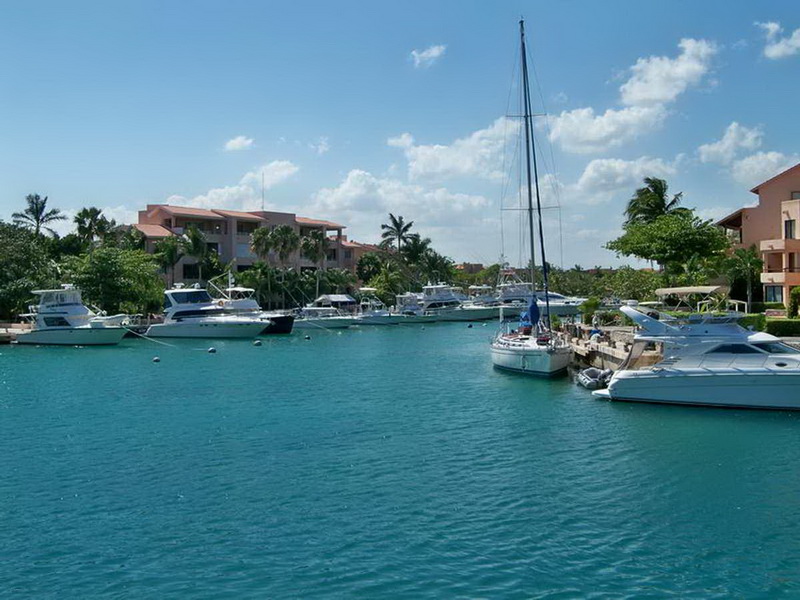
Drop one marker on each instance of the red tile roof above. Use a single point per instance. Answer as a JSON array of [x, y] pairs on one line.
[[319, 223], [153, 231], [771, 179], [187, 211], [238, 214]]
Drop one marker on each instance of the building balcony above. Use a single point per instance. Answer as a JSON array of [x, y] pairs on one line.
[[780, 245], [781, 276]]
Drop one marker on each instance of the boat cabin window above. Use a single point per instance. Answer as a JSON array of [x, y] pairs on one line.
[[733, 349], [776, 348], [56, 322], [191, 297]]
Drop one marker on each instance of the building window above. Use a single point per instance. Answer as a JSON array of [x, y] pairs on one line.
[[244, 251], [795, 195], [773, 293], [245, 227], [348, 254], [191, 271], [788, 229], [331, 255]]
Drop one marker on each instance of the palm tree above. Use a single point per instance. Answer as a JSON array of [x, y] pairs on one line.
[[261, 243], [341, 281], [387, 283], [92, 225], [745, 263], [415, 248], [168, 252], [315, 247], [194, 245], [651, 202], [285, 242], [36, 216], [396, 231]]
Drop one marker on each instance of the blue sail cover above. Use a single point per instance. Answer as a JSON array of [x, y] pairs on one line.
[[530, 316]]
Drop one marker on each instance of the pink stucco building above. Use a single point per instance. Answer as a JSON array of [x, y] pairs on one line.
[[772, 226]]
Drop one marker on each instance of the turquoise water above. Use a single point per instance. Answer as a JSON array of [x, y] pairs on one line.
[[376, 463]]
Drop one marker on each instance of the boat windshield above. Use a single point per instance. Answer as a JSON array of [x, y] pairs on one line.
[[191, 297], [776, 348]]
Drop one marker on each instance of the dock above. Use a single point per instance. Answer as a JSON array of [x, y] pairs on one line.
[[604, 347]]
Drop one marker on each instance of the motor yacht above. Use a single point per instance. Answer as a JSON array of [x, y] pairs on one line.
[[241, 300], [61, 318], [441, 302], [706, 360], [371, 311], [193, 313], [513, 292], [323, 317], [409, 306]]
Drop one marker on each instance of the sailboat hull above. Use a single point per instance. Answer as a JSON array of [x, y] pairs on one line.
[[531, 360], [74, 336]]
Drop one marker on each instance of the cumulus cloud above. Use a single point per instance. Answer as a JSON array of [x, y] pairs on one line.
[[479, 154], [246, 194], [757, 168], [736, 138], [776, 46], [654, 82], [603, 178], [659, 79], [582, 131], [425, 58], [240, 142]]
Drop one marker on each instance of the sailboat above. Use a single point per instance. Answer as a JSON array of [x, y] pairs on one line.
[[532, 347]]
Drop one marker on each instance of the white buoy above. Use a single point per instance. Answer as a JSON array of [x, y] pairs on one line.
[[156, 359], [308, 337], [256, 342], [212, 350]]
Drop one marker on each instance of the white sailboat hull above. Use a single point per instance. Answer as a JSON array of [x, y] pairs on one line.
[[73, 336], [735, 388], [207, 329], [531, 360]]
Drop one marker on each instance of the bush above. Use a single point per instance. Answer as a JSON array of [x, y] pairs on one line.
[[588, 308], [794, 302], [757, 321], [783, 327], [760, 307]]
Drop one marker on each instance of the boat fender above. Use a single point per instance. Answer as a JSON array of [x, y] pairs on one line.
[[220, 303], [256, 342], [212, 350], [156, 359], [308, 337]]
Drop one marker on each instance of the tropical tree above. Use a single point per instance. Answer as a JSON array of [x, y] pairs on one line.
[[314, 247], [415, 248], [368, 266], [36, 216], [92, 225], [652, 201], [388, 282], [285, 242], [435, 267], [745, 264], [396, 231], [194, 245], [261, 243], [339, 281], [24, 266], [168, 251]]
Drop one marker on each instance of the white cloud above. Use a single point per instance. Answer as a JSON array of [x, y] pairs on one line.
[[245, 195], [757, 168], [778, 47], [425, 58], [240, 142], [479, 154], [603, 178], [737, 137], [659, 79], [321, 146], [654, 82], [582, 131]]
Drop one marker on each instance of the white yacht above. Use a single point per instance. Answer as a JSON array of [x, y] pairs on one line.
[[409, 306], [241, 300], [512, 291], [706, 360], [323, 317], [61, 318], [371, 311], [441, 302], [193, 313]]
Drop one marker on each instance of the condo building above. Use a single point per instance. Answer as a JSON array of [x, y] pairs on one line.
[[771, 226], [227, 232]]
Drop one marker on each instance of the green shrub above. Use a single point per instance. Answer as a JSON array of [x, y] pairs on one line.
[[783, 327], [760, 307], [588, 308], [794, 302], [757, 321]]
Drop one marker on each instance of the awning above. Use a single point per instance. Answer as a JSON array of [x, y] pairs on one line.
[[682, 292]]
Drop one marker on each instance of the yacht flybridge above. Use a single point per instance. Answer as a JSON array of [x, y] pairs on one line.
[[706, 360], [193, 313], [61, 318], [241, 301], [532, 347]]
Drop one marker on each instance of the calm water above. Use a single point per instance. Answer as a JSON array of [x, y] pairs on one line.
[[376, 463]]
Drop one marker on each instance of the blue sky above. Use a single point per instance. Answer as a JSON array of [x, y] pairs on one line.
[[126, 103]]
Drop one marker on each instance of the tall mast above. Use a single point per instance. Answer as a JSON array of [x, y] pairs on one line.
[[530, 157]]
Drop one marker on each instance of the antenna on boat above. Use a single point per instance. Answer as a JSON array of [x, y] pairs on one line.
[[530, 158]]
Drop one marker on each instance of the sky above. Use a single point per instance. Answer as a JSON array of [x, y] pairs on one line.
[[350, 110]]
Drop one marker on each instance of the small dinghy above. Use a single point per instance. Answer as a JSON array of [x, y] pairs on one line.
[[594, 378]]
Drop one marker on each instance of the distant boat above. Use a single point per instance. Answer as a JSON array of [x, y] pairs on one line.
[[193, 313], [531, 347], [61, 318], [707, 360], [241, 301]]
